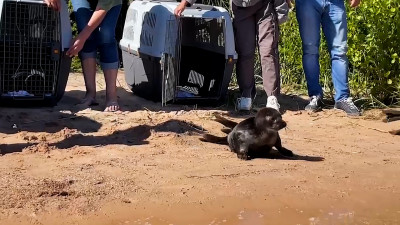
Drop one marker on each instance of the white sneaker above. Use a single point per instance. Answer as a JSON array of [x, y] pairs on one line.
[[243, 104], [272, 102]]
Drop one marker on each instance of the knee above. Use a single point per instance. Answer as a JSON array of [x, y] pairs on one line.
[[268, 50], [246, 56], [108, 52], [106, 35], [310, 49], [245, 50], [338, 51]]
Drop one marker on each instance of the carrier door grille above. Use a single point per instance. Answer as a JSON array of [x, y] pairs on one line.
[[29, 50], [171, 60]]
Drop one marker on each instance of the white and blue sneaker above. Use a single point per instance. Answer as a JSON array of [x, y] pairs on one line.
[[243, 104], [347, 105], [315, 104]]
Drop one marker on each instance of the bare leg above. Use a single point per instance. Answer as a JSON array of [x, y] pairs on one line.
[[89, 74], [111, 90]]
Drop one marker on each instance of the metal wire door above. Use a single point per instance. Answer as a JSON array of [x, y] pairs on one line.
[[29, 50], [171, 59]]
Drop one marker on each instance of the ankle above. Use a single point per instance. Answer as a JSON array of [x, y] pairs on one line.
[[111, 98], [90, 95]]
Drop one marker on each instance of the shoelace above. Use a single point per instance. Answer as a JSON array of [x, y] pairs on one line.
[[350, 103], [314, 100], [274, 101]]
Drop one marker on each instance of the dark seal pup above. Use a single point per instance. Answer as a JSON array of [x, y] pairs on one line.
[[254, 135]]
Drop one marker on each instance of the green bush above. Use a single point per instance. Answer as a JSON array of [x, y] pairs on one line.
[[374, 37]]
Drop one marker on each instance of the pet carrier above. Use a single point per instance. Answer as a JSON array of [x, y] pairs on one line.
[[180, 59], [33, 42]]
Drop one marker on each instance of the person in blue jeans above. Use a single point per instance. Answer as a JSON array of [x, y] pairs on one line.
[[96, 21], [331, 14]]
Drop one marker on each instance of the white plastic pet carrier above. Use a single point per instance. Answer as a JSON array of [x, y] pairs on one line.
[[188, 58], [33, 42]]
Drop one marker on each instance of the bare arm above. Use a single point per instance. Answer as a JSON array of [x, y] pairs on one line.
[[79, 41], [54, 4]]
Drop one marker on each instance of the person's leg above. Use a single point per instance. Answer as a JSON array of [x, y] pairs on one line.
[[308, 13], [245, 42], [268, 36], [109, 59], [83, 13], [334, 25], [89, 75]]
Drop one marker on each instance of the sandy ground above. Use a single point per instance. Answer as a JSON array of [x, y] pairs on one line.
[[146, 165]]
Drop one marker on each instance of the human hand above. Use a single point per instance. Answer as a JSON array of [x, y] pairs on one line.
[[180, 8], [354, 3], [290, 3], [54, 4], [76, 46]]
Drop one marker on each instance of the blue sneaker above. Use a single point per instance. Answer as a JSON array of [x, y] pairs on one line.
[[347, 105], [243, 104]]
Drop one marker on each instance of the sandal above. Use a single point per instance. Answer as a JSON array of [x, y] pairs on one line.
[[112, 107]]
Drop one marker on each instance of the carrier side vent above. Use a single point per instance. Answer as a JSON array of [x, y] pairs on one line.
[[150, 19], [148, 29], [131, 18]]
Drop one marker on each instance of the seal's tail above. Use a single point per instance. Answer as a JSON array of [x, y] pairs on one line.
[[214, 139]]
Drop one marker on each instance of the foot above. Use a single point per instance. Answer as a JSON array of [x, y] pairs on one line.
[[243, 104], [112, 106], [347, 105], [286, 152], [315, 104], [88, 101], [272, 102]]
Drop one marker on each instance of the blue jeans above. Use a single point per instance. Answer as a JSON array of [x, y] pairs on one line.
[[331, 14], [102, 38]]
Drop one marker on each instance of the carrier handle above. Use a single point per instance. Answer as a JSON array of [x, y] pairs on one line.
[[202, 7]]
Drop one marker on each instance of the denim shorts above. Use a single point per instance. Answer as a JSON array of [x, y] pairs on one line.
[[103, 37]]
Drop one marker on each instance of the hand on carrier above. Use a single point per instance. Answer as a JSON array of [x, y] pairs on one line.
[[76, 46], [54, 4], [180, 8], [354, 3]]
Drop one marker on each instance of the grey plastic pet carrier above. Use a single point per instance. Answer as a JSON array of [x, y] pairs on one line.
[[180, 59], [33, 42]]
